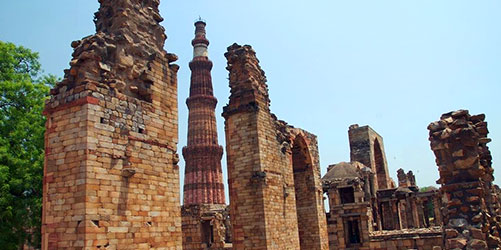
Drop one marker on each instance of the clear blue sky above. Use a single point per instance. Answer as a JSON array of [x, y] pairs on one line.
[[394, 65]]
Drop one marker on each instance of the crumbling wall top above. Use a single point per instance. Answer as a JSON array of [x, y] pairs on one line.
[[128, 39], [406, 180], [247, 79], [459, 141], [136, 20]]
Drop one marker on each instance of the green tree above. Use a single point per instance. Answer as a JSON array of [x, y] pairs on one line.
[[23, 91]]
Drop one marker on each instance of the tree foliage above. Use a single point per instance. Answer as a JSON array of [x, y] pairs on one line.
[[426, 189], [23, 91]]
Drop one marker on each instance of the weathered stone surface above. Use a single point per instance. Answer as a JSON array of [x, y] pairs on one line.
[[421, 238], [273, 171], [111, 178], [366, 147], [206, 226], [128, 39], [459, 143], [366, 214]]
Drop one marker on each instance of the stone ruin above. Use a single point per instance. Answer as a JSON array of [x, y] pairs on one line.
[[128, 40], [367, 210], [276, 197], [472, 215], [111, 179]]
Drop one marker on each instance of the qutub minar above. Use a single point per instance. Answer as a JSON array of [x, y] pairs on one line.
[[205, 220], [203, 177]]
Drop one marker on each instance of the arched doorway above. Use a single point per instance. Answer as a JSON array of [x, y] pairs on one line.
[[304, 186], [381, 175]]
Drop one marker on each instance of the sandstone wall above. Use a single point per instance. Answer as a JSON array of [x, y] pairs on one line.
[[366, 147], [265, 171], [111, 178], [303, 152], [206, 227], [422, 239], [262, 200]]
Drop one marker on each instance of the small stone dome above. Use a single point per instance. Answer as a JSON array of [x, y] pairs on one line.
[[343, 171], [403, 190]]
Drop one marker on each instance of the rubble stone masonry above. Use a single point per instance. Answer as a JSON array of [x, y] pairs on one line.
[[459, 141], [261, 184], [111, 179], [264, 207]]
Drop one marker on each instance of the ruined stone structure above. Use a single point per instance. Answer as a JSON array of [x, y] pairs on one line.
[[273, 171], [204, 214], [111, 179], [206, 226], [472, 217], [366, 147], [368, 212], [348, 187]]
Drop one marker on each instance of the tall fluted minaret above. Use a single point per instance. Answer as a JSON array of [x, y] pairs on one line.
[[203, 179]]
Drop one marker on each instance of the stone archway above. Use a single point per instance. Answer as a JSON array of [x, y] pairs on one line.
[[381, 174], [305, 192]]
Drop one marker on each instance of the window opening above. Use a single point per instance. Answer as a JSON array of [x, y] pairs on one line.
[[347, 195]]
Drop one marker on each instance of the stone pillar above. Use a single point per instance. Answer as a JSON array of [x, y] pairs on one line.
[[402, 178], [387, 216], [438, 209], [424, 220], [411, 178], [403, 211], [111, 177], [366, 175], [397, 217], [260, 176], [416, 222], [459, 143]]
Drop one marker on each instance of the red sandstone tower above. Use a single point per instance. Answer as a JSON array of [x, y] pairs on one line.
[[205, 220], [203, 182]]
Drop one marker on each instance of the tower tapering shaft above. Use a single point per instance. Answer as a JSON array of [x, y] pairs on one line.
[[203, 182]]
